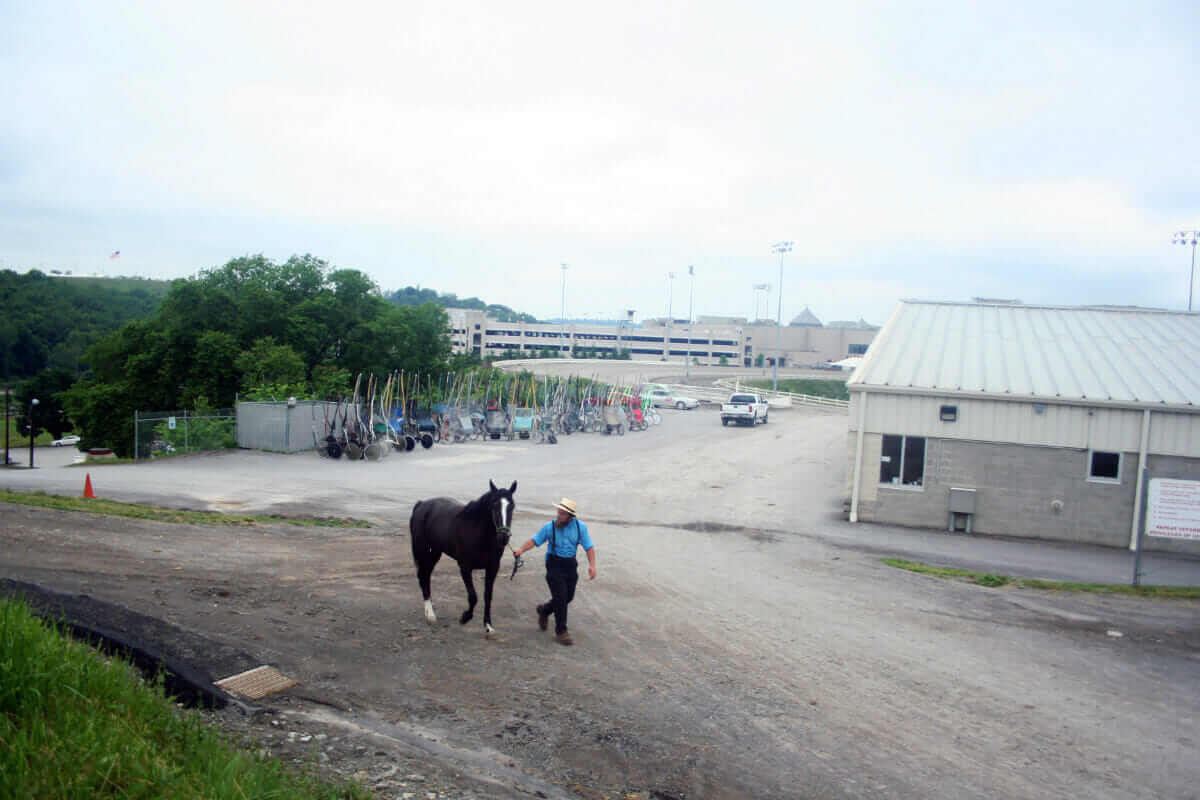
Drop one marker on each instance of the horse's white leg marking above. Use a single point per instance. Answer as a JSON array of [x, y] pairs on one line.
[[490, 631], [430, 617]]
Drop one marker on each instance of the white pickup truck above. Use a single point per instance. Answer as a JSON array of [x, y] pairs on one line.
[[744, 408]]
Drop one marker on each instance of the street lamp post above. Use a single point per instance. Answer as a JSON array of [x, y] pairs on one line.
[[6, 426], [32, 407], [781, 248], [687, 360], [562, 313], [1189, 237]]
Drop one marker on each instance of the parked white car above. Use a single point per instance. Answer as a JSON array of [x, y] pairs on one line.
[[661, 398], [66, 441]]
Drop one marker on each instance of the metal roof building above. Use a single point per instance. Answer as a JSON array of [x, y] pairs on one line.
[[1040, 419]]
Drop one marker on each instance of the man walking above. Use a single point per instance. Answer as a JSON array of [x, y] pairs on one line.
[[565, 534]]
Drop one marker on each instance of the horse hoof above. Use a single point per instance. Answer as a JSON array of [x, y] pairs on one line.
[[489, 632], [430, 617]]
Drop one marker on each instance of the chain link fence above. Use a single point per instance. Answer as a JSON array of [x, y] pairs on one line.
[[160, 433]]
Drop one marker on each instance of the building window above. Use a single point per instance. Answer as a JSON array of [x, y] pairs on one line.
[[1104, 466], [857, 350], [902, 462]]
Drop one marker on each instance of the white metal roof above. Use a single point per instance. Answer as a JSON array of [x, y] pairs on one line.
[[1126, 356]]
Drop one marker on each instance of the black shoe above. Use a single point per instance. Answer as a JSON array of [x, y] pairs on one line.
[[543, 618]]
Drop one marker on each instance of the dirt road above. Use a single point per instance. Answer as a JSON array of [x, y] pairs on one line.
[[726, 650]]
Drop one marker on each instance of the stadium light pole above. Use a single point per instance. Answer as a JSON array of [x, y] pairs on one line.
[[1189, 237], [670, 318], [629, 312], [781, 248], [562, 313], [759, 287], [687, 360]]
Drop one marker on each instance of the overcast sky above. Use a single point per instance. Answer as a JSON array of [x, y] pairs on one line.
[[1041, 151]]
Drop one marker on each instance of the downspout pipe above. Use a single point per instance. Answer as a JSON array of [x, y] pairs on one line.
[[1137, 492], [858, 456]]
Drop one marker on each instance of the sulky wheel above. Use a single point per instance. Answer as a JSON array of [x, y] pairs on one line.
[[426, 441]]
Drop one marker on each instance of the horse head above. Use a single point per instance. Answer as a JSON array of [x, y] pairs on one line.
[[501, 506]]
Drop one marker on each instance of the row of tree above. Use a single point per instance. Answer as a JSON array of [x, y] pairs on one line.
[[252, 328], [49, 322], [415, 296]]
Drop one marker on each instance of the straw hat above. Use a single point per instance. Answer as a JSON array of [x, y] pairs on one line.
[[566, 505]]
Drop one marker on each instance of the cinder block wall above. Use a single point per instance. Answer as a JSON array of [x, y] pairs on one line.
[[1017, 487]]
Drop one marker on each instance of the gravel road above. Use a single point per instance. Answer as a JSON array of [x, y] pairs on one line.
[[729, 648]]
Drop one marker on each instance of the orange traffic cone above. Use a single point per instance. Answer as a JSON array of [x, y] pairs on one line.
[[87, 486]]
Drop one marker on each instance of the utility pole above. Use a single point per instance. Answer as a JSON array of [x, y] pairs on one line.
[[1189, 237], [781, 248]]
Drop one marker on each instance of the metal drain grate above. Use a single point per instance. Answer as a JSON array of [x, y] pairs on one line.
[[257, 683]]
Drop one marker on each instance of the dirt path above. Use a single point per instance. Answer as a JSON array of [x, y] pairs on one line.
[[725, 651]]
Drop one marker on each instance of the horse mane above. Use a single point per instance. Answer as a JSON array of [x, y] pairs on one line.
[[480, 507]]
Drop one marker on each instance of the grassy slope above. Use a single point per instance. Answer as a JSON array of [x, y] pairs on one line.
[[76, 725]]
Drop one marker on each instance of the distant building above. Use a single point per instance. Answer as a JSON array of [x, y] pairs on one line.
[[805, 319], [707, 341], [1024, 420]]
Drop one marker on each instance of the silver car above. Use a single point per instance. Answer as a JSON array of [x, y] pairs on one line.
[[664, 399]]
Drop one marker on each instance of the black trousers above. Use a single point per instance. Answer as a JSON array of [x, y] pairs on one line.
[[562, 574]]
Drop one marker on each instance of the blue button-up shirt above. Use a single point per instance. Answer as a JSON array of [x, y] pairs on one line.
[[566, 539]]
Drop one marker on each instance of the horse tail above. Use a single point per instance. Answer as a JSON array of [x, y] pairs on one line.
[[416, 530]]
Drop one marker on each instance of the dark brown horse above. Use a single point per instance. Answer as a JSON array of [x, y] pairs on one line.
[[474, 535]]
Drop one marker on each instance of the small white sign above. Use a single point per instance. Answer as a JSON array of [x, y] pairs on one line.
[[1173, 509], [171, 423]]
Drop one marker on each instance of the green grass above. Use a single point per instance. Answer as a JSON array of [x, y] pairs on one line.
[[96, 505], [994, 580], [817, 387], [74, 724]]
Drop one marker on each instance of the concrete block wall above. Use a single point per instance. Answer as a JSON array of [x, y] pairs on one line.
[[1017, 488]]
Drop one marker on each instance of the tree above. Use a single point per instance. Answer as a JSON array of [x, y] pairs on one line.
[[47, 386], [269, 363], [213, 373], [103, 412]]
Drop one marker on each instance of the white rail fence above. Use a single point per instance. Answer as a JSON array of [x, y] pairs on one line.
[[726, 386]]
